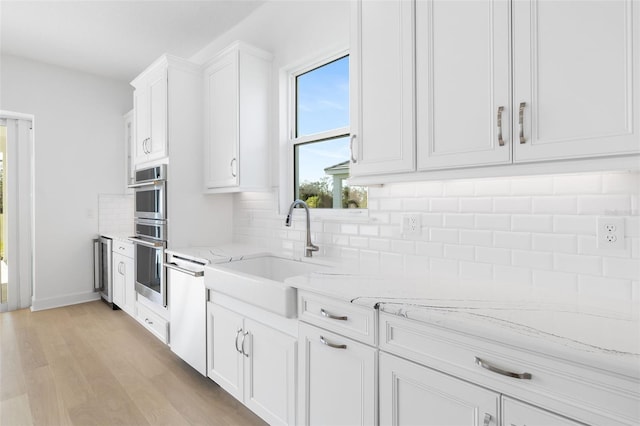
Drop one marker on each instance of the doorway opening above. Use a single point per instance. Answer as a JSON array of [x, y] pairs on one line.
[[4, 271]]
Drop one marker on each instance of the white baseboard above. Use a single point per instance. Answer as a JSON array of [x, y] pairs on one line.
[[66, 300]]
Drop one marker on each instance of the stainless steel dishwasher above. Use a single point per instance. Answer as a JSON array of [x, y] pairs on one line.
[[187, 302]]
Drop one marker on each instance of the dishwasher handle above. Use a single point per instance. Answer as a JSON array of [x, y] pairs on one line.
[[175, 267]]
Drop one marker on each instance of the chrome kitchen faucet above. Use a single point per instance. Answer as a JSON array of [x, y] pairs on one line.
[[310, 248]]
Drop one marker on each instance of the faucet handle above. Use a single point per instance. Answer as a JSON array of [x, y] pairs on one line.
[[309, 249]]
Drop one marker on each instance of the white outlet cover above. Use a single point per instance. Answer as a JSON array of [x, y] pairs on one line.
[[411, 224], [610, 233]]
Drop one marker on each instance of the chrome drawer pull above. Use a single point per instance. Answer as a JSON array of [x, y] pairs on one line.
[[521, 122], [244, 336], [328, 315], [500, 139], [487, 419], [484, 364], [332, 345], [237, 337]]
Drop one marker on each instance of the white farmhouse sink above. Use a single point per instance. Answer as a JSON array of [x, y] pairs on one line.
[[260, 281]]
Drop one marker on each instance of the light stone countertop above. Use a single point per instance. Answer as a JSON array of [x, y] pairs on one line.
[[600, 333]]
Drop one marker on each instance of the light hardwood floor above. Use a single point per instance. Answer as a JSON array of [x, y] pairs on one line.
[[89, 365]]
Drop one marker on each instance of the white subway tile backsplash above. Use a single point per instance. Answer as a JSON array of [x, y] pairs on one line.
[[507, 275], [604, 204], [479, 271], [555, 243], [532, 259], [429, 249], [476, 205], [443, 204], [536, 185], [512, 205], [455, 251], [532, 223], [493, 187], [443, 235], [512, 240], [459, 220], [591, 265], [497, 256], [501, 222], [476, 238], [555, 205], [537, 231], [577, 184], [585, 225], [622, 268]]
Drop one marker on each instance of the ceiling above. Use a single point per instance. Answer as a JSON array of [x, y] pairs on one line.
[[117, 38]]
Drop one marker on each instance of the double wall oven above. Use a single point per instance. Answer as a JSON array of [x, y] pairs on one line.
[[150, 239]]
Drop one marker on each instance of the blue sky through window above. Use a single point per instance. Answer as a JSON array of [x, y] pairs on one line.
[[322, 105]]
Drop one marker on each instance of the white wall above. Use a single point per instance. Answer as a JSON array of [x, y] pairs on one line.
[[78, 155]]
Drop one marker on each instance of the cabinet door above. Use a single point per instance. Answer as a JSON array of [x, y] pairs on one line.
[[516, 413], [142, 128], [337, 379], [269, 373], [462, 83], [381, 76], [224, 337], [576, 77], [129, 291], [222, 122], [411, 394], [157, 146], [118, 278]]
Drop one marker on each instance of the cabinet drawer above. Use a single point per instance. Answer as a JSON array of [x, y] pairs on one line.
[[123, 248], [587, 394], [153, 322], [344, 318]]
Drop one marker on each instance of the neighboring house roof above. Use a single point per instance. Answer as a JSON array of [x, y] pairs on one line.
[[338, 169]]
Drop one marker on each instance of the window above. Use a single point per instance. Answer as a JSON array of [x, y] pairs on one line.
[[320, 140]]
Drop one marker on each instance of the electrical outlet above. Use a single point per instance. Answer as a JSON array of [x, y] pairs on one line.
[[610, 233], [411, 224]]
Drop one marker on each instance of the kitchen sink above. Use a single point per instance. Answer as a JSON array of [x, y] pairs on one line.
[[260, 281]]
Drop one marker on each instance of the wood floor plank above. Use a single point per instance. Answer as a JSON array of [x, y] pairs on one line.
[[89, 365]]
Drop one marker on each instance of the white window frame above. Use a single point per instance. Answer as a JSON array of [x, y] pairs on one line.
[[288, 78]]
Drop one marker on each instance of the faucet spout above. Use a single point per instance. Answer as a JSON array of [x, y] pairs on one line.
[[310, 247]]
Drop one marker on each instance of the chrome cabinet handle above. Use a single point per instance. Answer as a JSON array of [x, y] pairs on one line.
[[486, 365], [328, 315], [233, 161], [521, 122], [149, 146], [189, 272], [148, 321], [500, 140], [353, 159], [487, 419], [244, 337], [144, 146], [331, 345], [237, 337]]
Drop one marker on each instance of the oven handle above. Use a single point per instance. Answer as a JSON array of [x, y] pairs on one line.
[[158, 244], [175, 267], [149, 183]]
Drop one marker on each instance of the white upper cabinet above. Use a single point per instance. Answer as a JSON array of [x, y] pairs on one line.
[[576, 78], [150, 106], [462, 83], [381, 76], [236, 105]]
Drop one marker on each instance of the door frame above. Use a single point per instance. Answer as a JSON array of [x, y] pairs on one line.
[[20, 189]]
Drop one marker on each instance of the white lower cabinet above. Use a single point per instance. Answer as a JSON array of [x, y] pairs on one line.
[[253, 362], [337, 379], [411, 394], [516, 413], [124, 292]]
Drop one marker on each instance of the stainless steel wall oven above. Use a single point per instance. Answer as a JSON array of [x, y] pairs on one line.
[[151, 232]]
